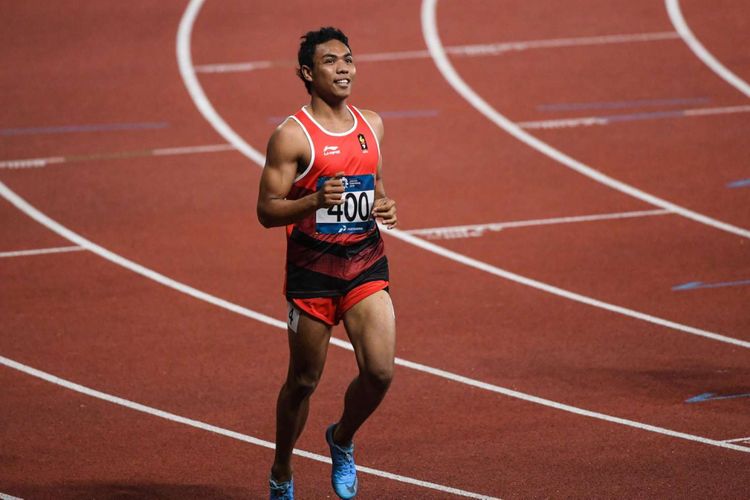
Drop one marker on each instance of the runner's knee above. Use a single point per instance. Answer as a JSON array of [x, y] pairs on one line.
[[379, 377], [303, 385]]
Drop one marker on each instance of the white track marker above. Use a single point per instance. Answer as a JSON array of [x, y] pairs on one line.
[[40, 251], [54, 226], [5, 496], [56, 160], [430, 31], [474, 50], [31, 162], [577, 297], [675, 15], [478, 230], [209, 113], [218, 430], [738, 440], [589, 121], [185, 63]]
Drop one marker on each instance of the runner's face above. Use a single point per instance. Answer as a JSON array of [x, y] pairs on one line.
[[333, 69]]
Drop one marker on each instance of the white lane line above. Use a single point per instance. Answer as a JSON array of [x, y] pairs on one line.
[[588, 121], [5, 496], [738, 440], [473, 50], [40, 251], [185, 63], [209, 113], [478, 230], [678, 20], [577, 297], [219, 430], [123, 155], [31, 162], [54, 226], [432, 38]]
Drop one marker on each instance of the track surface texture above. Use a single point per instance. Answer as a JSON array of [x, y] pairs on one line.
[[604, 357]]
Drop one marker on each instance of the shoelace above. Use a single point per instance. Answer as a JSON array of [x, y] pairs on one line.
[[344, 462], [282, 490]]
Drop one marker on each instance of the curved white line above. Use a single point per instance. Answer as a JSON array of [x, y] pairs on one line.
[[185, 62], [560, 292], [678, 20], [81, 389], [435, 46], [196, 91], [54, 226]]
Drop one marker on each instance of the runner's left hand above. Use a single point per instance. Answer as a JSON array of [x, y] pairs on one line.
[[384, 211]]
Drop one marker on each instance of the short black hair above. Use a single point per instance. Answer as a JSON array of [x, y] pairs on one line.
[[307, 47]]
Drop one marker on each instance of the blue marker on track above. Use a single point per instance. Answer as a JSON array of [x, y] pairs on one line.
[[67, 129], [694, 285], [739, 184], [712, 396], [640, 103]]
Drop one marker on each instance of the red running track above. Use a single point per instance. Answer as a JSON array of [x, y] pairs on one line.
[[191, 218]]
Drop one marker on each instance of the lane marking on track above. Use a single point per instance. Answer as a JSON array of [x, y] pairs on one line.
[[678, 20], [638, 103], [67, 129], [738, 440], [122, 155], [5, 496], [437, 51], [588, 121], [739, 183], [473, 50], [54, 226], [40, 251], [220, 430], [193, 86], [478, 230], [694, 285]]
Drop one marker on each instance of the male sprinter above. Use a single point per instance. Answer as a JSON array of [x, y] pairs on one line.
[[322, 180]]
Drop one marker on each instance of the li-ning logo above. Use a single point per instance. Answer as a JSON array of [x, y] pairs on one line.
[[331, 150]]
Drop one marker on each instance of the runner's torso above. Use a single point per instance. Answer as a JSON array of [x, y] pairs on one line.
[[334, 250]]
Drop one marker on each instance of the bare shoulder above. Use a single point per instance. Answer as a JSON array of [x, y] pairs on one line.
[[287, 142], [375, 122]]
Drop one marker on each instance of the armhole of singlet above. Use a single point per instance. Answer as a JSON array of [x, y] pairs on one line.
[[312, 149], [377, 142]]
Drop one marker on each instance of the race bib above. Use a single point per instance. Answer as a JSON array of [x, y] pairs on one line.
[[352, 216]]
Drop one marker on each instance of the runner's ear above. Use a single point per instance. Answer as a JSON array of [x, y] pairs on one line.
[[306, 73]]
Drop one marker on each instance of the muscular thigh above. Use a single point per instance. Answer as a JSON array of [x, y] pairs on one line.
[[308, 346], [371, 327]]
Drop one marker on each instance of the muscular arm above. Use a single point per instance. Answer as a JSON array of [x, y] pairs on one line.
[[384, 208], [287, 148]]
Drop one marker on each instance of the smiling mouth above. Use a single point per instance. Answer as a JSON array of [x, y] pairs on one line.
[[343, 82]]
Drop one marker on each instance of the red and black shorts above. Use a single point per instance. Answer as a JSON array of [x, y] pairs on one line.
[[330, 310]]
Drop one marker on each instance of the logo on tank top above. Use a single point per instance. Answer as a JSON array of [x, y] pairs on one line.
[[362, 142], [331, 150]]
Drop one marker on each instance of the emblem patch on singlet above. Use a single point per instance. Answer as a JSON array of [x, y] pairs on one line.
[[352, 216], [362, 142]]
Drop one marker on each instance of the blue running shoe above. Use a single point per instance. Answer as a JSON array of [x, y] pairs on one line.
[[282, 490], [344, 472]]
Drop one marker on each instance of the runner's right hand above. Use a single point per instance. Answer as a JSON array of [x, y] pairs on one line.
[[331, 192]]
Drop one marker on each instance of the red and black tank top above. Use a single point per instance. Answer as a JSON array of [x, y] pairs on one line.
[[334, 250]]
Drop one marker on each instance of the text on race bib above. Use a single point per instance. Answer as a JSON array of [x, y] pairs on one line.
[[352, 216]]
